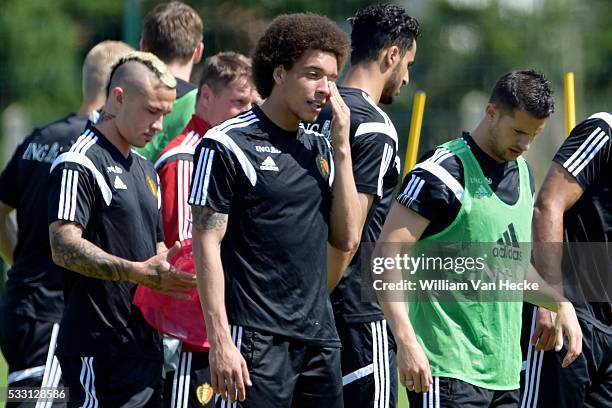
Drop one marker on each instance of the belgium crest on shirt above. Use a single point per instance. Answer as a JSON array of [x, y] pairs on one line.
[[204, 392], [323, 166], [152, 186]]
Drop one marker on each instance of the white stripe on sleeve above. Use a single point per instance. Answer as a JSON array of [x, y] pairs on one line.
[[199, 173]]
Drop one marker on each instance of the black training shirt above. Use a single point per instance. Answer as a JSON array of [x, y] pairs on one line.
[[373, 141], [587, 155], [275, 186], [116, 201], [34, 284]]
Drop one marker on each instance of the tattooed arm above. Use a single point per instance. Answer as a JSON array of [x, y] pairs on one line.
[[71, 251], [227, 365]]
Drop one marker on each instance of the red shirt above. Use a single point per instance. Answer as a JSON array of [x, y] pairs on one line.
[[174, 167]]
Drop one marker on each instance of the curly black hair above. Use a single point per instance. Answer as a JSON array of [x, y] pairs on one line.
[[378, 27], [287, 38], [528, 90]]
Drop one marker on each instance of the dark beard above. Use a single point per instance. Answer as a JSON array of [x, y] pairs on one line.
[[391, 87], [386, 99]]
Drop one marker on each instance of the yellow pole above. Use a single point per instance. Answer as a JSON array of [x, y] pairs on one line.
[[570, 102], [416, 122]]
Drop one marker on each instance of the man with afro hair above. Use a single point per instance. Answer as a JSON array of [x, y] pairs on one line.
[[267, 195]]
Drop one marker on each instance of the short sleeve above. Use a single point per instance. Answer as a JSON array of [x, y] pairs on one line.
[[426, 189], [213, 181], [587, 152], [71, 193], [373, 154], [9, 180], [175, 179]]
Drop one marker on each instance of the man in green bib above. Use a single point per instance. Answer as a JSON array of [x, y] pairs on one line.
[[474, 189]]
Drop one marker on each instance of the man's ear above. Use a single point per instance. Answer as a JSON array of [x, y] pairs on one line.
[[206, 95], [198, 53], [391, 56], [279, 74], [491, 112], [143, 45]]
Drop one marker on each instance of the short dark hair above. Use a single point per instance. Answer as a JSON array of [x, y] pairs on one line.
[[378, 27], [223, 68], [528, 90], [287, 38], [172, 31]]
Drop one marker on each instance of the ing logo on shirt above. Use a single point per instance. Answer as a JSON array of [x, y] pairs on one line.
[[323, 166], [152, 186]]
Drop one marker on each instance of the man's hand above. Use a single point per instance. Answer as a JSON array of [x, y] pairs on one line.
[[413, 367], [341, 119], [157, 273], [228, 371], [544, 333], [567, 325]]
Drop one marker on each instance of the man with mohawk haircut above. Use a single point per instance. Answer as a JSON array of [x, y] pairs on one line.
[[105, 226]]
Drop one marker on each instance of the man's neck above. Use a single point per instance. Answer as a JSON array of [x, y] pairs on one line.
[[366, 77], [181, 71], [202, 116], [109, 130], [277, 111], [482, 138], [87, 108]]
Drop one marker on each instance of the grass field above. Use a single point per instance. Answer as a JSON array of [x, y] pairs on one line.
[[402, 401], [3, 375]]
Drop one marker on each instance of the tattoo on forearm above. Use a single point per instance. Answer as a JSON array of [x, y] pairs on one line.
[[104, 116], [205, 219], [77, 254]]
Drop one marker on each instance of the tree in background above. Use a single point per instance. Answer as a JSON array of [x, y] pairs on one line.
[[465, 45]]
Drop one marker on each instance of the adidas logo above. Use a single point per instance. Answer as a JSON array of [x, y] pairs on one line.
[[481, 191], [508, 238], [508, 246], [119, 184], [268, 164]]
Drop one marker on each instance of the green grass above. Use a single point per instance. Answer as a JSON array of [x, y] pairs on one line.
[[402, 400], [3, 375]]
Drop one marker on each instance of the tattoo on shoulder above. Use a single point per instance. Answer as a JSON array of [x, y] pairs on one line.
[[206, 219], [104, 116]]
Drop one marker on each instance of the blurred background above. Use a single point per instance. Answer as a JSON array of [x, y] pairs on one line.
[[465, 46]]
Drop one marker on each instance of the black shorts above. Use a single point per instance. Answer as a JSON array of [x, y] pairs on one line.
[[99, 382], [452, 393], [369, 369], [286, 372], [24, 342], [587, 382], [28, 346], [190, 385]]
